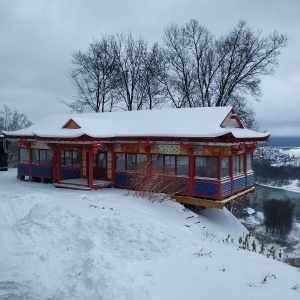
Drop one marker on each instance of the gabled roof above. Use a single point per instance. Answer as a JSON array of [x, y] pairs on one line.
[[205, 122]]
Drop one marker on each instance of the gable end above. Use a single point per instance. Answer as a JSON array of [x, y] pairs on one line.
[[71, 124], [232, 120]]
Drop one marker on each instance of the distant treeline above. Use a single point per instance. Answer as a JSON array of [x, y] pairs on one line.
[[264, 170], [283, 141]]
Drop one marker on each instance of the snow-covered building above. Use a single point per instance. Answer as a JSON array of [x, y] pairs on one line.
[[206, 152], [3, 154]]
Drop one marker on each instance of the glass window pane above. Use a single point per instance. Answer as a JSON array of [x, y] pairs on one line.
[[170, 165], [241, 163], [157, 163], [235, 165], [68, 158], [238, 164], [225, 167], [49, 156], [43, 156], [200, 166], [35, 156], [102, 160], [131, 164], [75, 159], [24, 155], [141, 161], [183, 165], [206, 167], [120, 162], [249, 162]]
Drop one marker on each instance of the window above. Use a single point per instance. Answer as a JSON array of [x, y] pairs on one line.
[[206, 167], [141, 162], [70, 158], [157, 163], [131, 162], [42, 156], [249, 162], [120, 161], [225, 167], [24, 155], [170, 164], [238, 164], [183, 165]]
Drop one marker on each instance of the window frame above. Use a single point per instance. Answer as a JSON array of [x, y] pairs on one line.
[[175, 166], [73, 160], [249, 161], [215, 171], [131, 162], [238, 164], [24, 152], [36, 158], [221, 167]]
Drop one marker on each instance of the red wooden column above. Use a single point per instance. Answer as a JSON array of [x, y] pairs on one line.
[[219, 174], [58, 163], [30, 160], [191, 171], [90, 167]]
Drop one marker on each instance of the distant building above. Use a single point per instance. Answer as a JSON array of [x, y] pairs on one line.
[[3, 154], [206, 151]]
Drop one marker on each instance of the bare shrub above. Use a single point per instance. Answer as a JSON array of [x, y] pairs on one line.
[[154, 185]]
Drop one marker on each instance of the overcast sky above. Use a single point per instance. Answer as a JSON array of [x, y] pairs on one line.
[[37, 38]]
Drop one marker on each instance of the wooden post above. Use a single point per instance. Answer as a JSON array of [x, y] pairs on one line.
[[58, 163], [30, 160], [90, 168], [191, 171]]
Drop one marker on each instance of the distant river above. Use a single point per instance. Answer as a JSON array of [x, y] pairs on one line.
[[277, 194], [266, 193]]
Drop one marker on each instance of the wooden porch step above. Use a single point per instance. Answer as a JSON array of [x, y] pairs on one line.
[[72, 186]]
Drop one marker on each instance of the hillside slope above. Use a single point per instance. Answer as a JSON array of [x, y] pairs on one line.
[[64, 244]]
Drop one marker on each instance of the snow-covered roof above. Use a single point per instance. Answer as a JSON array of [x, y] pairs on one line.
[[185, 122]]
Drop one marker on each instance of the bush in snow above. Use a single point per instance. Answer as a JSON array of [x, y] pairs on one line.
[[153, 185], [278, 216]]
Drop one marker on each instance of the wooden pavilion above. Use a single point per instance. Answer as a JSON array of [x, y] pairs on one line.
[[206, 152]]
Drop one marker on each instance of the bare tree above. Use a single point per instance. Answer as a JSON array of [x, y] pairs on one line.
[[206, 71], [179, 74], [151, 79], [92, 76], [244, 56], [193, 69], [129, 55], [12, 120]]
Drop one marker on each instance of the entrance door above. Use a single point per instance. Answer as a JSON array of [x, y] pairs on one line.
[[100, 167]]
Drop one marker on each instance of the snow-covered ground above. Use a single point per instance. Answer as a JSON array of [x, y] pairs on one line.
[[66, 244]]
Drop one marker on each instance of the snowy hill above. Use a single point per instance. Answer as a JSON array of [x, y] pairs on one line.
[[65, 244]]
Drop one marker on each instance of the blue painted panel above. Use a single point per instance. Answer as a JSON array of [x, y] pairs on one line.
[[182, 186], [173, 185], [209, 189], [122, 180], [70, 173], [23, 169], [250, 180], [239, 183], [226, 188], [39, 171]]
